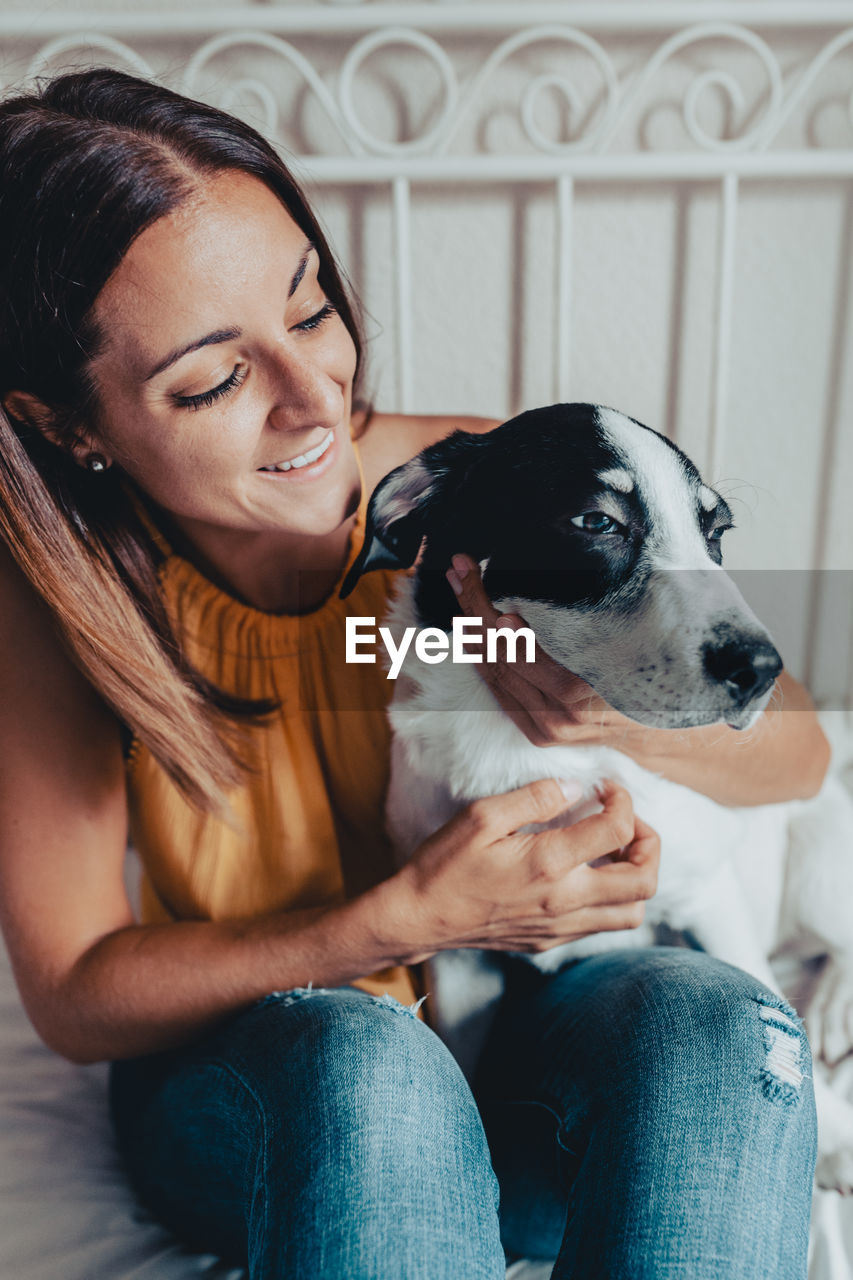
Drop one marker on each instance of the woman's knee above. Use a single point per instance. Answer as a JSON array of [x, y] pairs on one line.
[[664, 1018], [309, 1090], [683, 1028], [346, 1041], [676, 1007], [363, 1072]]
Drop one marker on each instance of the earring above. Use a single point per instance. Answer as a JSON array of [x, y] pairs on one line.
[[96, 462]]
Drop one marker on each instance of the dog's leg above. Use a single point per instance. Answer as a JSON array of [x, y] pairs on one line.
[[722, 925], [834, 1137], [817, 916]]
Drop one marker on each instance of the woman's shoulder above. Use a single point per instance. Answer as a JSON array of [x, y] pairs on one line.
[[26, 625], [39, 683], [390, 439]]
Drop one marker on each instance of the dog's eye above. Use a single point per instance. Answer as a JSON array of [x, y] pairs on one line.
[[714, 535], [596, 522]]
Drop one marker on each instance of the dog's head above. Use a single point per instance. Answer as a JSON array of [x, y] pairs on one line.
[[602, 535]]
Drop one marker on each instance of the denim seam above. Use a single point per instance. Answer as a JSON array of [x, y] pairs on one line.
[[227, 1068], [537, 1102]]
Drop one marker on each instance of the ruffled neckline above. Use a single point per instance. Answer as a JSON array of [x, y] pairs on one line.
[[208, 615], [198, 600]]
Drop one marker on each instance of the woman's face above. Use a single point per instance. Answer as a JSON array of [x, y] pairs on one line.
[[222, 359]]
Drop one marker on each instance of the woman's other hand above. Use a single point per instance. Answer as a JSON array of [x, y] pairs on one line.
[[549, 704], [483, 880]]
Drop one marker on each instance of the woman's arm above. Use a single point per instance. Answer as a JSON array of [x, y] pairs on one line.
[[97, 985], [784, 756], [391, 439]]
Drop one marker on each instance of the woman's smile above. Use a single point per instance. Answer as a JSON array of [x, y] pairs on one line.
[[309, 465]]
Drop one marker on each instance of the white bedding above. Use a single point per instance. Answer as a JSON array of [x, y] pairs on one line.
[[66, 1213]]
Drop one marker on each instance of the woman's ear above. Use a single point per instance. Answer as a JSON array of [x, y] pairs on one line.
[[23, 406]]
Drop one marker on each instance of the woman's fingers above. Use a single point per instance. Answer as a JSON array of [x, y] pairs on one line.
[[464, 578], [520, 687], [528, 691], [493, 818], [595, 899], [617, 883], [614, 828], [619, 860], [543, 673], [579, 924]]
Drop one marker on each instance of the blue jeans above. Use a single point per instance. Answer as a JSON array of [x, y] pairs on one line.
[[639, 1115]]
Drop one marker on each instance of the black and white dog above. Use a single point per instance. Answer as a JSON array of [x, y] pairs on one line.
[[603, 536]]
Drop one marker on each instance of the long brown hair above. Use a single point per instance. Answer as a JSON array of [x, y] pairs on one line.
[[86, 164]]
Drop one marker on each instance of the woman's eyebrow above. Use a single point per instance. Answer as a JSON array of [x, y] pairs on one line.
[[209, 339], [300, 270], [225, 335]]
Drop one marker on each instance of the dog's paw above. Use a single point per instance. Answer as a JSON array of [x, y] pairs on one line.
[[829, 1018], [834, 1171]]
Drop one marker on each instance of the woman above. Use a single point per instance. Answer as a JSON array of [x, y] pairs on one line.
[[183, 480]]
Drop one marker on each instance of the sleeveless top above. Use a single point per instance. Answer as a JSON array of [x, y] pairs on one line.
[[311, 811]]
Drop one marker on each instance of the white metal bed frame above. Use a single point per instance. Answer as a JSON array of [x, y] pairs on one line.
[[400, 167]]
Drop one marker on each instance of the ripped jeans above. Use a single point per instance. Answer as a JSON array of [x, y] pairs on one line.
[[638, 1115]]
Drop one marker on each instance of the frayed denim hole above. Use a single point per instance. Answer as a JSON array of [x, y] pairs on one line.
[[781, 1075], [389, 1002], [293, 996]]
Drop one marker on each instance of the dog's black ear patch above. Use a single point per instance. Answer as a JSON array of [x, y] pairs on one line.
[[396, 514]]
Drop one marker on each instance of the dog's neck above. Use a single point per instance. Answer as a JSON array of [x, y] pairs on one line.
[[452, 723], [460, 685]]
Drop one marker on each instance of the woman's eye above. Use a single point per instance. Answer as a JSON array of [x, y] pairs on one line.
[[237, 376], [314, 322], [596, 522], [234, 379]]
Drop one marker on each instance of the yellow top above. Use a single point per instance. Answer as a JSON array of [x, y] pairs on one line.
[[312, 812]]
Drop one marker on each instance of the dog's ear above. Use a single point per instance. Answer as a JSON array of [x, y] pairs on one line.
[[394, 525], [397, 512]]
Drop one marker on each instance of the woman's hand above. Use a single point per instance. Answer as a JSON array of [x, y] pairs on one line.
[[784, 756], [481, 881], [549, 704]]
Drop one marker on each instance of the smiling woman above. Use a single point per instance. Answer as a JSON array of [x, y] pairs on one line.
[[184, 478]]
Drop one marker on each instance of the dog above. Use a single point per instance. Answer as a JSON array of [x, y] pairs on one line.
[[601, 533]]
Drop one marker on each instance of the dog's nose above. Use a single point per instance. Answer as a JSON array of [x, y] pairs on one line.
[[747, 670]]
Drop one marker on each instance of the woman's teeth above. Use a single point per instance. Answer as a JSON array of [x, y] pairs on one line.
[[303, 459]]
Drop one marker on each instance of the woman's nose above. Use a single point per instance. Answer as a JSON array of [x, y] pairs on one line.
[[305, 393]]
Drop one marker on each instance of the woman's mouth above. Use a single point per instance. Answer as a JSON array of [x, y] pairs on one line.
[[311, 463]]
